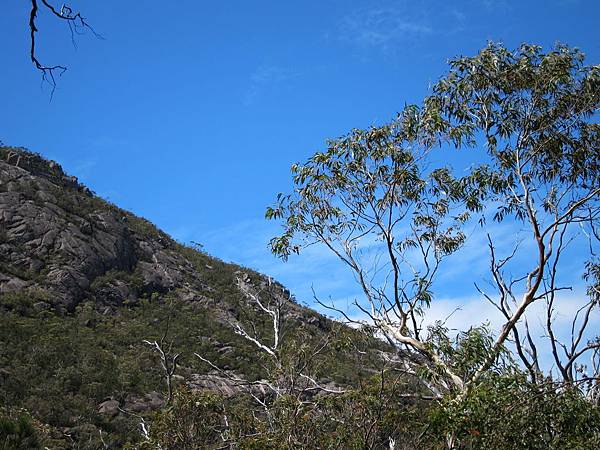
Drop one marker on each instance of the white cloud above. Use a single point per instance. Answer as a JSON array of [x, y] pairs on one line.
[[466, 312], [383, 27]]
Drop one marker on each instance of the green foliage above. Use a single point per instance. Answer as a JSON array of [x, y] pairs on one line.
[[510, 412], [382, 203], [22, 302], [468, 350], [146, 229], [17, 433], [503, 411], [363, 418], [356, 185], [533, 110], [219, 275], [61, 368], [200, 420], [133, 281]]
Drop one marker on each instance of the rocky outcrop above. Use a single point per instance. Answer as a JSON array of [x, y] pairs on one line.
[[56, 235], [109, 407], [227, 387]]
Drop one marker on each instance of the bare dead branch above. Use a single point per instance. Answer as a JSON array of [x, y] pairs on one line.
[[77, 25]]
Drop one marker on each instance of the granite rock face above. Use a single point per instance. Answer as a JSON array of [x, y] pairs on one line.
[[56, 235]]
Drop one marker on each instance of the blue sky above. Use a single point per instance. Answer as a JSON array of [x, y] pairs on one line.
[[190, 113]]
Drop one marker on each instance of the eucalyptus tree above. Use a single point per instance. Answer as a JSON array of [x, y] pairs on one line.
[[380, 202], [533, 117], [370, 201]]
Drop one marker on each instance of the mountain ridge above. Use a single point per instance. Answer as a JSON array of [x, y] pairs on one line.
[[58, 228], [83, 283]]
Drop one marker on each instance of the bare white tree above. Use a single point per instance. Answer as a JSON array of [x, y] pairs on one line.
[[271, 303], [168, 360]]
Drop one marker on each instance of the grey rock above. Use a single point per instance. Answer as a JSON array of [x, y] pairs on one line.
[[225, 386], [58, 237], [109, 408], [149, 402], [41, 306], [10, 283]]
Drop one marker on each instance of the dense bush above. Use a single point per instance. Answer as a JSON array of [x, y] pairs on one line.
[[17, 433], [509, 412], [393, 409], [368, 417]]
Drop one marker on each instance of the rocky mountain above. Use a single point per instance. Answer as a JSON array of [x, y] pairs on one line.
[[57, 235], [83, 283]]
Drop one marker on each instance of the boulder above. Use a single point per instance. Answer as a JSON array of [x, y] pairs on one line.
[[109, 408]]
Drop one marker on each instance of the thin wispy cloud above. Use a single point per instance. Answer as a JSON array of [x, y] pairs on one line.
[[383, 26], [272, 74], [461, 313], [388, 25], [267, 77], [460, 20], [246, 243], [495, 4], [84, 168], [380, 28]]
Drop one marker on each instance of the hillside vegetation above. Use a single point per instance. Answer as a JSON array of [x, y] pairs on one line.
[[83, 283]]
